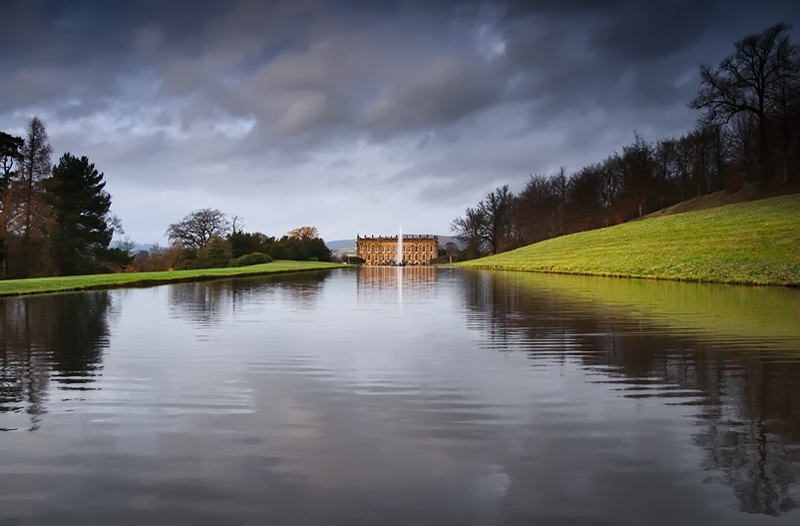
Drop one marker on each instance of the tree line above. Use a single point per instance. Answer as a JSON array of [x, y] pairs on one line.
[[748, 131], [208, 238], [54, 219]]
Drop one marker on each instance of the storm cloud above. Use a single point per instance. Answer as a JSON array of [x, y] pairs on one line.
[[353, 116]]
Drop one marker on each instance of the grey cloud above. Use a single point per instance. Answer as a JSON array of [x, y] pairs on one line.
[[641, 31], [413, 100], [607, 54], [436, 94]]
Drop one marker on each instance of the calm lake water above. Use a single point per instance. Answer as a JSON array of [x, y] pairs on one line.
[[402, 396]]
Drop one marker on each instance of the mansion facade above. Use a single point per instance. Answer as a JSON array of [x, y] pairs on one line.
[[382, 250]]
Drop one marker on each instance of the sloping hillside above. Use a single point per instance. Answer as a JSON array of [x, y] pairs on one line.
[[756, 242], [748, 192]]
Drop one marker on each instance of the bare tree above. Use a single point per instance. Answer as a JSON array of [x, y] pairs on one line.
[[26, 214], [585, 208], [639, 167], [536, 210], [560, 183], [497, 213], [237, 224], [469, 229], [750, 81], [196, 229]]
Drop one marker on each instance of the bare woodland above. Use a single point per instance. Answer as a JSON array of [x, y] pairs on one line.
[[748, 131]]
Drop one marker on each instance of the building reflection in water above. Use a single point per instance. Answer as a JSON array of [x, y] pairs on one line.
[[59, 338], [410, 284], [747, 401]]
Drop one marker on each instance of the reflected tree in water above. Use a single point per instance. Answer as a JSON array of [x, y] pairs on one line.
[[206, 303], [200, 303], [751, 429], [749, 401], [304, 289], [58, 338]]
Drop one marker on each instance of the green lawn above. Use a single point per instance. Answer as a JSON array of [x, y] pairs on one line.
[[756, 243], [16, 287]]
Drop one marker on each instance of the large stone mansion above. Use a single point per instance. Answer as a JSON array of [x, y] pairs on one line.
[[382, 250]]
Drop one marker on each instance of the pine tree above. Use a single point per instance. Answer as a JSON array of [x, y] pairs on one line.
[[9, 159], [81, 205], [10, 147]]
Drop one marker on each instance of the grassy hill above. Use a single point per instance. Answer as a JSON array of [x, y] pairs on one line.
[[755, 242], [748, 192]]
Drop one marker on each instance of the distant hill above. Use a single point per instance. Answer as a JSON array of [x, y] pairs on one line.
[[137, 247], [340, 244]]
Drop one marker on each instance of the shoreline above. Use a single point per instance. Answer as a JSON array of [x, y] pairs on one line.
[[500, 268], [57, 284]]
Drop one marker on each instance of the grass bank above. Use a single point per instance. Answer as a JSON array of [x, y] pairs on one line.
[[18, 287], [754, 243]]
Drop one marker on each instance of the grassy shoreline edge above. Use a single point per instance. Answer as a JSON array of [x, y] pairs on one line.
[[753, 243], [50, 285]]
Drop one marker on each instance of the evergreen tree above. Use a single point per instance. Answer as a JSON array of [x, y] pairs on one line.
[[10, 147], [81, 208]]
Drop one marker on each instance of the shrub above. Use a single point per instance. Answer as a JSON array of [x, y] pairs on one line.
[[216, 253], [183, 259], [256, 258]]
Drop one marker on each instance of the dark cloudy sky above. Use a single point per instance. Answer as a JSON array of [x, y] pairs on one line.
[[353, 116]]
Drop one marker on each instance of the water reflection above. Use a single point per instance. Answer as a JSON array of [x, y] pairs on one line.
[[209, 303], [59, 338], [748, 398], [396, 284], [202, 303], [749, 429], [402, 396]]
